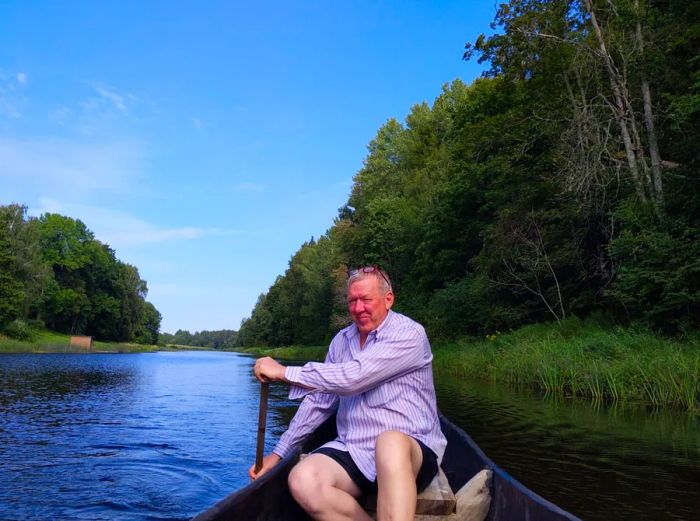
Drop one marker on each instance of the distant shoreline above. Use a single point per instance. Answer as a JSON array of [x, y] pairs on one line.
[[46, 342]]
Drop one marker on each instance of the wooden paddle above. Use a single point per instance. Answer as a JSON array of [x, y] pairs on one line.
[[262, 421]]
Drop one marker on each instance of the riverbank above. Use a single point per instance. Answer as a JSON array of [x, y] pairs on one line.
[[573, 358], [585, 359], [298, 353], [45, 341]]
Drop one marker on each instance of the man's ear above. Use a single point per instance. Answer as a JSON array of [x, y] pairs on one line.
[[389, 299]]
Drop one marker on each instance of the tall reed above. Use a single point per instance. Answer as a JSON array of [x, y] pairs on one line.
[[583, 358]]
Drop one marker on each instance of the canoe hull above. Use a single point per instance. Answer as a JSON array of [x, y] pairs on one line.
[[268, 498]]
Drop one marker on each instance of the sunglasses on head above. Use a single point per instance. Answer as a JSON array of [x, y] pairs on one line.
[[369, 269]]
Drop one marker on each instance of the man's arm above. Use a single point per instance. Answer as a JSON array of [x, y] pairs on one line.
[[394, 356], [313, 411]]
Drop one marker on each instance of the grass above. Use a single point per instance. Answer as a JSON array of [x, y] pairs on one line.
[[183, 347], [577, 358], [298, 353], [45, 341]]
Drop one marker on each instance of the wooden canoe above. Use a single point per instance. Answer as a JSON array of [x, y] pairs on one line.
[[268, 498]]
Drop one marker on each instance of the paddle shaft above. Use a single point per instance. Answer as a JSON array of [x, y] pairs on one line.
[[262, 421]]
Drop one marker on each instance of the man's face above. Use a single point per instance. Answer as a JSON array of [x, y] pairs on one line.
[[367, 305]]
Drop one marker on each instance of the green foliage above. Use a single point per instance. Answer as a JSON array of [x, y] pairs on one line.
[[296, 353], [221, 339], [52, 269], [546, 188], [300, 306], [658, 281], [148, 325], [11, 289], [458, 309], [20, 330], [583, 358], [64, 241]]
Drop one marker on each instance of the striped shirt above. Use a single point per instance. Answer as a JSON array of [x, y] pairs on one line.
[[386, 385]]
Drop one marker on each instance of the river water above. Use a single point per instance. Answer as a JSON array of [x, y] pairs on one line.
[[162, 436]]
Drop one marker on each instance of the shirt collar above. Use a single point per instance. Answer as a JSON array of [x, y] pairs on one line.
[[384, 323], [353, 331]]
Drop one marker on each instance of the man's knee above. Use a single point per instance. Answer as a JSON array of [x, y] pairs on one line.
[[393, 440], [392, 445], [394, 449], [304, 485], [310, 484]]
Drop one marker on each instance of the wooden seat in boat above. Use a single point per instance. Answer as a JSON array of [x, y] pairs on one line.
[[436, 500]]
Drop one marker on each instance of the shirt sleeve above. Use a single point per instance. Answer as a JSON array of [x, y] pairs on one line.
[[389, 357], [313, 411]]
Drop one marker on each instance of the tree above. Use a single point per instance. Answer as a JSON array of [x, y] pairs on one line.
[[527, 266], [541, 190], [603, 55], [148, 327], [11, 290], [63, 242]]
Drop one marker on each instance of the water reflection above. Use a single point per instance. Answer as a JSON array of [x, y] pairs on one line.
[[27, 377], [597, 462]]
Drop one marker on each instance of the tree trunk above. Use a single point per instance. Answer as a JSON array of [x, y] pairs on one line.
[[622, 106], [658, 190]]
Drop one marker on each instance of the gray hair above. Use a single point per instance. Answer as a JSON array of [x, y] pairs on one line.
[[366, 272]]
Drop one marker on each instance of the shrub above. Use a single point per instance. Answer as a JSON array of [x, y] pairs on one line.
[[20, 330]]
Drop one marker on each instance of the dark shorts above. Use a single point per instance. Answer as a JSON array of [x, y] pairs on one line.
[[427, 472]]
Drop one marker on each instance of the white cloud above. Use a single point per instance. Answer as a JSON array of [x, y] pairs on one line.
[[116, 99], [121, 230], [62, 166], [22, 78], [108, 98]]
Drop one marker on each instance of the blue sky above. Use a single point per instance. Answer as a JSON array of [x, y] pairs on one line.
[[206, 141]]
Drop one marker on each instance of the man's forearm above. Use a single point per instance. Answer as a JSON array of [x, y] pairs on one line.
[[312, 412]]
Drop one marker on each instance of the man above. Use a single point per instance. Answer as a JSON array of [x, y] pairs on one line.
[[378, 376]]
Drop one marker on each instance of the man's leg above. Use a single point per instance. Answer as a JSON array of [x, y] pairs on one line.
[[323, 488], [399, 458]]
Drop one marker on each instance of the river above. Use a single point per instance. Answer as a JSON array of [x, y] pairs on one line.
[[162, 436]]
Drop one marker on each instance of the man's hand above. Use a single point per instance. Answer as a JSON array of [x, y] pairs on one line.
[[268, 462], [267, 370]]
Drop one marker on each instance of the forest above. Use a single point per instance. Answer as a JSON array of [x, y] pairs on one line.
[[563, 182], [55, 274], [219, 339]]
